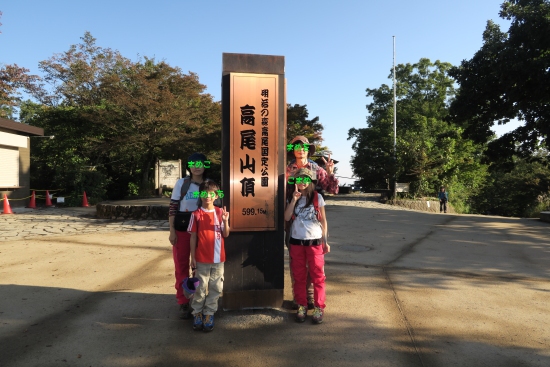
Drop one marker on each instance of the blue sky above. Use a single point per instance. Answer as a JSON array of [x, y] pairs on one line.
[[333, 50]]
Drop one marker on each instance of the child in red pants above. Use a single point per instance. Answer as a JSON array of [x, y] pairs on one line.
[[308, 243]]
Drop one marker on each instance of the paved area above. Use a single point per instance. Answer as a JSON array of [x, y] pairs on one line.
[[28, 223], [404, 288]]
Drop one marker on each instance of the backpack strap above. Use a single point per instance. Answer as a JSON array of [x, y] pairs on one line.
[[185, 187], [316, 205], [313, 165]]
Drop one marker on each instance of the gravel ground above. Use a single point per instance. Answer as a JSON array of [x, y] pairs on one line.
[[28, 223]]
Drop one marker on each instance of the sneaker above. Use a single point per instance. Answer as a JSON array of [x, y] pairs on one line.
[[301, 314], [197, 322], [208, 322], [317, 315], [185, 311]]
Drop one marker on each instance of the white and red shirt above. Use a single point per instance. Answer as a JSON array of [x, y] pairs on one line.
[[208, 225], [306, 226]]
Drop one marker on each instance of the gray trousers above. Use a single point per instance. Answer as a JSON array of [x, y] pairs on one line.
[[206, 297]]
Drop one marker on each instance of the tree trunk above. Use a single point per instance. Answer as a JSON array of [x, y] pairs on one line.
[[145, 187]]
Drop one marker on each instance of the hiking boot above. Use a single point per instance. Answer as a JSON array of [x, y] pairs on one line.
[[197, 322], [208, 322], [317, 315], [185, 311], [301, 314]]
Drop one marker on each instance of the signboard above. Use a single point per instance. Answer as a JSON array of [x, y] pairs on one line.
[[167, 173], [253, 151], [401, 187]]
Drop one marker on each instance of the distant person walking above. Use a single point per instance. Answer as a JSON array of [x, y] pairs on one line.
[[443, 198]]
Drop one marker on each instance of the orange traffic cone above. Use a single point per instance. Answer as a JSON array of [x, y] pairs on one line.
[[7, 208], [48, 199], [84, 200], [32, 203]]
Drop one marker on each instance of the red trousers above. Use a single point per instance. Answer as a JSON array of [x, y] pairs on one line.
[[304, 257], [181, 252]]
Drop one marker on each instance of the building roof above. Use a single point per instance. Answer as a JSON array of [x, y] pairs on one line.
[[20, 127]]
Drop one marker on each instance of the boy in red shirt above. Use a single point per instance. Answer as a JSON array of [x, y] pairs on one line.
[[208, 226]]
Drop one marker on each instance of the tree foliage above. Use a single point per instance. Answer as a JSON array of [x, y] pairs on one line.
[[117, 117], [15, 80], [298, 123], [112, 118], [430, 152], [69, 161], [509, 77], [523, 191]]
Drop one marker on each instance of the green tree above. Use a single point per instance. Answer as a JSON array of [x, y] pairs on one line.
[[523, 191], [68, 161], [15, 80], [430, 151], [298, 123], [373, 161], [76, 77], [151, 111], [124, 115], [508, 78]]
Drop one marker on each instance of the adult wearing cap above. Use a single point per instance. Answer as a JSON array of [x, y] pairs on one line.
[[299, 150], [182, 203]]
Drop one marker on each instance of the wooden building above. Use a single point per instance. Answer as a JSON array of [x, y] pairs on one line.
[[15, 160]]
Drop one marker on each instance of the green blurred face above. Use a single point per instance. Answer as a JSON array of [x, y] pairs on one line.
[[303, 181]]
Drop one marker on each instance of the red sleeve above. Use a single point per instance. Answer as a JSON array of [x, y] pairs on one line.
[[327, 183]]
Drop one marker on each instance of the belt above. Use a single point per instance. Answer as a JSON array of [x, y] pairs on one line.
[[297, 242]]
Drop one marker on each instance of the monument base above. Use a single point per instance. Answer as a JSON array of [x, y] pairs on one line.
[[269, 298]]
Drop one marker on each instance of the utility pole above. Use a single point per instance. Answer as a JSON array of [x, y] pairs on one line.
[[394, 128]]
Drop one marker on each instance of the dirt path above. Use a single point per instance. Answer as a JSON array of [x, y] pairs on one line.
[[403, 289]]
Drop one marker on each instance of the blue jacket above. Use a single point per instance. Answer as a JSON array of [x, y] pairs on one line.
[[443, 196]]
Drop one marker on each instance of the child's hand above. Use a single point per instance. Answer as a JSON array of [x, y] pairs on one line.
[[326, 248], [297, 194], [225, 214]]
